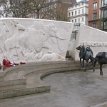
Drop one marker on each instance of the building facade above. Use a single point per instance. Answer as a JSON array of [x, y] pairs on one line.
[[79, 13], [103, 15], [94, 14]]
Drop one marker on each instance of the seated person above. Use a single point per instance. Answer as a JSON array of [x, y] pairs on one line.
[[6, 63]]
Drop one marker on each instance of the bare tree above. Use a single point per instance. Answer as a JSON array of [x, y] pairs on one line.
[[3, 8], [19, 8], [48, 9], [23, 8], [41, 7]]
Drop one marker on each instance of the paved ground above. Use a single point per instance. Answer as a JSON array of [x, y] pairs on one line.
[[76, 89]]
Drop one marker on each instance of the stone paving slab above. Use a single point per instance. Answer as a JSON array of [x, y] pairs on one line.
[[68, 89]]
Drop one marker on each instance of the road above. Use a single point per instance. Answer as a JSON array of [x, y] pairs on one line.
[[71, 89]]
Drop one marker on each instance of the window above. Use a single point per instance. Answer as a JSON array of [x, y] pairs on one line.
[[78, 20], [75, 12], [82, 19], [75, 20], [69, 14], [72, 20], [105, 14], [95, 5], [82, 11], [94, 16], [78, 12], [72, 13], [105, 25], [104, 2]]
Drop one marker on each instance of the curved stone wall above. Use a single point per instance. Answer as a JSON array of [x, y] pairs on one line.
[[33, 74]]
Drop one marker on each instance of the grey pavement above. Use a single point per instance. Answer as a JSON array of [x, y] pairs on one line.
[[71, 89]]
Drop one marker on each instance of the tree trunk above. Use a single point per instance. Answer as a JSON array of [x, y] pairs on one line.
[[37, 14]]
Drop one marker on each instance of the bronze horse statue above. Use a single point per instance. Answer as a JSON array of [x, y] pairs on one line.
[[101, 58], [85, 54]]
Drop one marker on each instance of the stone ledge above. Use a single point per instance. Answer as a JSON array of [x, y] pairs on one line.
[[12, 82], [24, 70], [101, 105], [22, 92], [36, 66], [57, 71]]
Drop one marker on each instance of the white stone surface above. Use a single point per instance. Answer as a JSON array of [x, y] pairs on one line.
[[95, 38], [29, 40], [34, 40]]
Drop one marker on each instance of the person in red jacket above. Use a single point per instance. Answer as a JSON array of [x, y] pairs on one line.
[[6, 63]]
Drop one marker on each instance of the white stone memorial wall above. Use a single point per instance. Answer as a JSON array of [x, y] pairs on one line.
[[34, 40], [95, 38]]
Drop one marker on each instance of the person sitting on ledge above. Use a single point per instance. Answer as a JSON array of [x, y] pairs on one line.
[[6, 63]]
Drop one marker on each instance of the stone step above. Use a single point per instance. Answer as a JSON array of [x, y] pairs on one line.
[[58, 70], [104, 104], [22, 92], [12, 84], [30, 65], [39, 66], [19, 74], [23, 70], [46, 69]]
